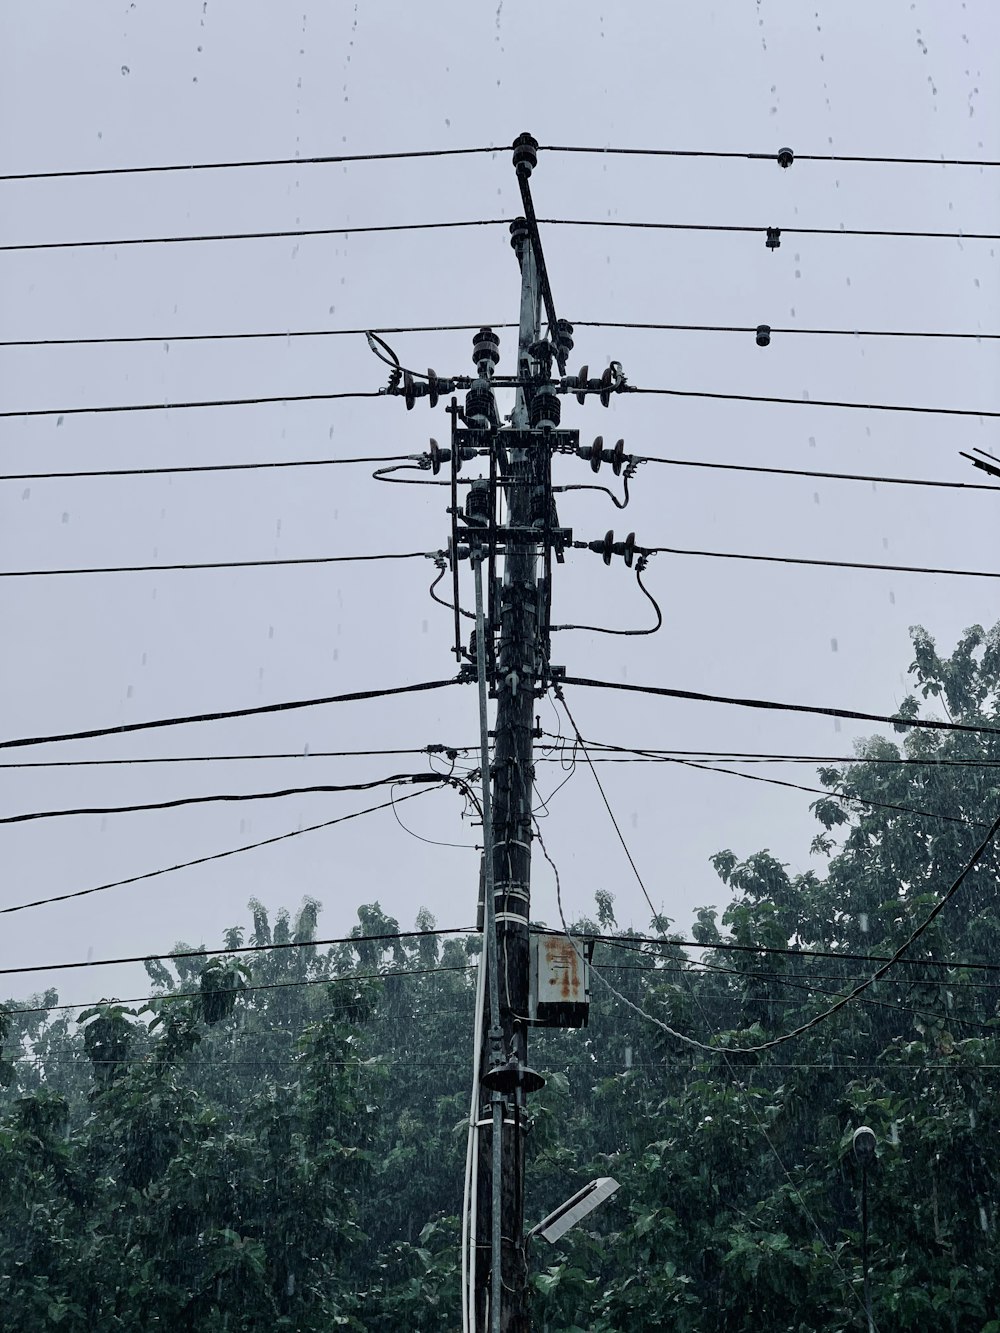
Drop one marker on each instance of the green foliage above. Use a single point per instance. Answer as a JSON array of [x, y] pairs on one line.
[[279, 1144]]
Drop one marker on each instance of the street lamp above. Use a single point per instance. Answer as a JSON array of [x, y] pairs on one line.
[[863, 1144]]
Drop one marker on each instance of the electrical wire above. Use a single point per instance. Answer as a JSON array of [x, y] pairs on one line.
[[243, 948], [205, 467], [828, 793], [281, 333], [213, 856], [289, 234], [345, 158], [298, 233], [723, 946], [204, 402], [599, 629], [826, 476], [401, 778], [770, 157], [378, 393], [740, 328], [260, 709], [16, 1009], [919, 930], [826, 564], [599, 753], [472, 327], [217, 564], [652, 754], [813, 402], [696, 696], [762, 231]]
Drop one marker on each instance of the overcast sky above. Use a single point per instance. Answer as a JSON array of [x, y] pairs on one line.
[[127, 84]]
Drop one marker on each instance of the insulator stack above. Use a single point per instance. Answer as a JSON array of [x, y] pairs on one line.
[[545, 409]]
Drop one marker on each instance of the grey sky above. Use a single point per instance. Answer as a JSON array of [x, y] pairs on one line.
[[126, 84]]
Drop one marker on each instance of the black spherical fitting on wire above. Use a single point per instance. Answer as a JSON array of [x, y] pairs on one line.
[[763, 335], [773, 238], [785, 157]]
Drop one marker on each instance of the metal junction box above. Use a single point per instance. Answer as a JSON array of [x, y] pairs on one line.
[[559, 992]]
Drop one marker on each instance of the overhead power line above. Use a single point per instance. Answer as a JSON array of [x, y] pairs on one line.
[[803, 402], [301, 233], [696, 696], [217, 564], [762, 231], [378, 393], [625, 941], [354, 696], [219, 758], [401, 778], [335, 159], [207, 467], [771, 157], [327, 159], [275, 334], [284, 235], [249, 988], [243, 948], [204, 402], [213, 856], [829, 793], [652, 754], [828, 564], [826, 476], [619, 754], [747, 328]]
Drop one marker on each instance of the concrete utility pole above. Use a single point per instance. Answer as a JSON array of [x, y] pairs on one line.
[[511, 513], [519, 668]]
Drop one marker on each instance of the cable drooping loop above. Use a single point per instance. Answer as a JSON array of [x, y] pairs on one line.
[[821, 1017], [640, 565]]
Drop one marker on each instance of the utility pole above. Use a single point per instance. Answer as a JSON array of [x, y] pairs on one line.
[[519, 669], [510, 513]]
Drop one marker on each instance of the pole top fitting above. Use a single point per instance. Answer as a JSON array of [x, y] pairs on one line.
[[525, 154], [519, 235]]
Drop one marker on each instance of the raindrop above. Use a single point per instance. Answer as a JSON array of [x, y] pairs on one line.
[[815, 497], [125, 70], [863, 922], [983, 1219], [892, 599], [129, 691], [423, 627], [65, 517], [270, 631], [812, 441], [59, 421], [885, 543], [833, 646], [142, 661], [26, 493]]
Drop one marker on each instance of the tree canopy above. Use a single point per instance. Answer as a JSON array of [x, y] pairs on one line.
[[278, 1143]]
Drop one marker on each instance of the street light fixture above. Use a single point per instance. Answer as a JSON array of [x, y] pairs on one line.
[[863, 1144]]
